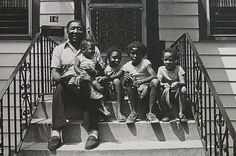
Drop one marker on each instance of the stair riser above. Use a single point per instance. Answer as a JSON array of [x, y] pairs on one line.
[[44, 110], [119, 132], [137, 152]]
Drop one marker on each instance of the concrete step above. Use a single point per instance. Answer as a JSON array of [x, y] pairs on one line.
[[40, 129], [127, 148], [219, 61], [225, 75]]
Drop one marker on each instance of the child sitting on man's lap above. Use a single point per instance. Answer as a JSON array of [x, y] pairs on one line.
[[172, 81], [85, 72], [140, 80]]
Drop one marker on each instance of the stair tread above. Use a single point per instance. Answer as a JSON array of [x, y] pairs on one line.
[[124, 145], [48, 121]]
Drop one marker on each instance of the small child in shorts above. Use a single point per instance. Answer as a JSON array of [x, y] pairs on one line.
[[172, 81], [140, 81], [85, 72], [112, 77]]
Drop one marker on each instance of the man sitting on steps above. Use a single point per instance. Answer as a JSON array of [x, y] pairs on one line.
[[65, 94]]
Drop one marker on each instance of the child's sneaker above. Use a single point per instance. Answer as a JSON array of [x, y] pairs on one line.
[[165, 119], [152, 118], [132, 117], [182, 118]]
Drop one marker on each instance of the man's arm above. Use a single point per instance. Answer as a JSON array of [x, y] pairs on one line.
[[56, 76]]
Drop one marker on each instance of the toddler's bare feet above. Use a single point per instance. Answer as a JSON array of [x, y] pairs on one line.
[[105, 111]]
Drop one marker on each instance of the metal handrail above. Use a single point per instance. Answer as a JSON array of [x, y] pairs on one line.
[[19, 96], [209, 110]]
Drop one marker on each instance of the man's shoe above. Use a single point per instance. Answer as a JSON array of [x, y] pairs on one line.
[[91, 142], [152, 118], [132, 117], [54, 143]]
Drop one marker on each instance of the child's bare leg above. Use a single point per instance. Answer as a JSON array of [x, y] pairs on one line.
[[118, 89], [97, 86], [154, 87], [144, 93], [104, 109], [182, 99], [133, 98]]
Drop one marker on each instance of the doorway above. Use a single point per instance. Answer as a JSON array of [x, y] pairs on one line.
[[116, 22]]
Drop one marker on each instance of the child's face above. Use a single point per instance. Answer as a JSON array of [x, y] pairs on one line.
[[135, 56], [89, 51], [169, 61], [114, 59]]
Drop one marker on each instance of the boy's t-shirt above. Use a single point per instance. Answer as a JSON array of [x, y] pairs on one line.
[[140, 71], [170, 76]]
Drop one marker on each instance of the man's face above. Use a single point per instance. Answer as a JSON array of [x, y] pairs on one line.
[[75, 32]]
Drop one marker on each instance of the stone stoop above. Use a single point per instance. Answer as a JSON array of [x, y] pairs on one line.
[[116, 138], [141, 138]]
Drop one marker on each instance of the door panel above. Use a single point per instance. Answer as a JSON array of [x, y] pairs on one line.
[[116, 27]]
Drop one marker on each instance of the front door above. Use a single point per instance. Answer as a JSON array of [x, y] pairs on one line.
[[116, 23]]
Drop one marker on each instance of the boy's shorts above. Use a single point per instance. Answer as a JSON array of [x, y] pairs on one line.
[[169, 95]]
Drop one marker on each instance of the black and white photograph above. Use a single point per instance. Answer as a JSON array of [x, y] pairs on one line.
[[117, 77]]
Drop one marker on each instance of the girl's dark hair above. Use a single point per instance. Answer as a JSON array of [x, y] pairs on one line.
[[172, 51], [139, 47], [84, 43]]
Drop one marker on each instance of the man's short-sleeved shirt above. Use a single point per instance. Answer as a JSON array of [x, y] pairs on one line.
[[64, 55], [140, 71], [170, 76]]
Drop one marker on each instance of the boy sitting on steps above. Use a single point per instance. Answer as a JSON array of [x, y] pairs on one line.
[[172, 81]]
